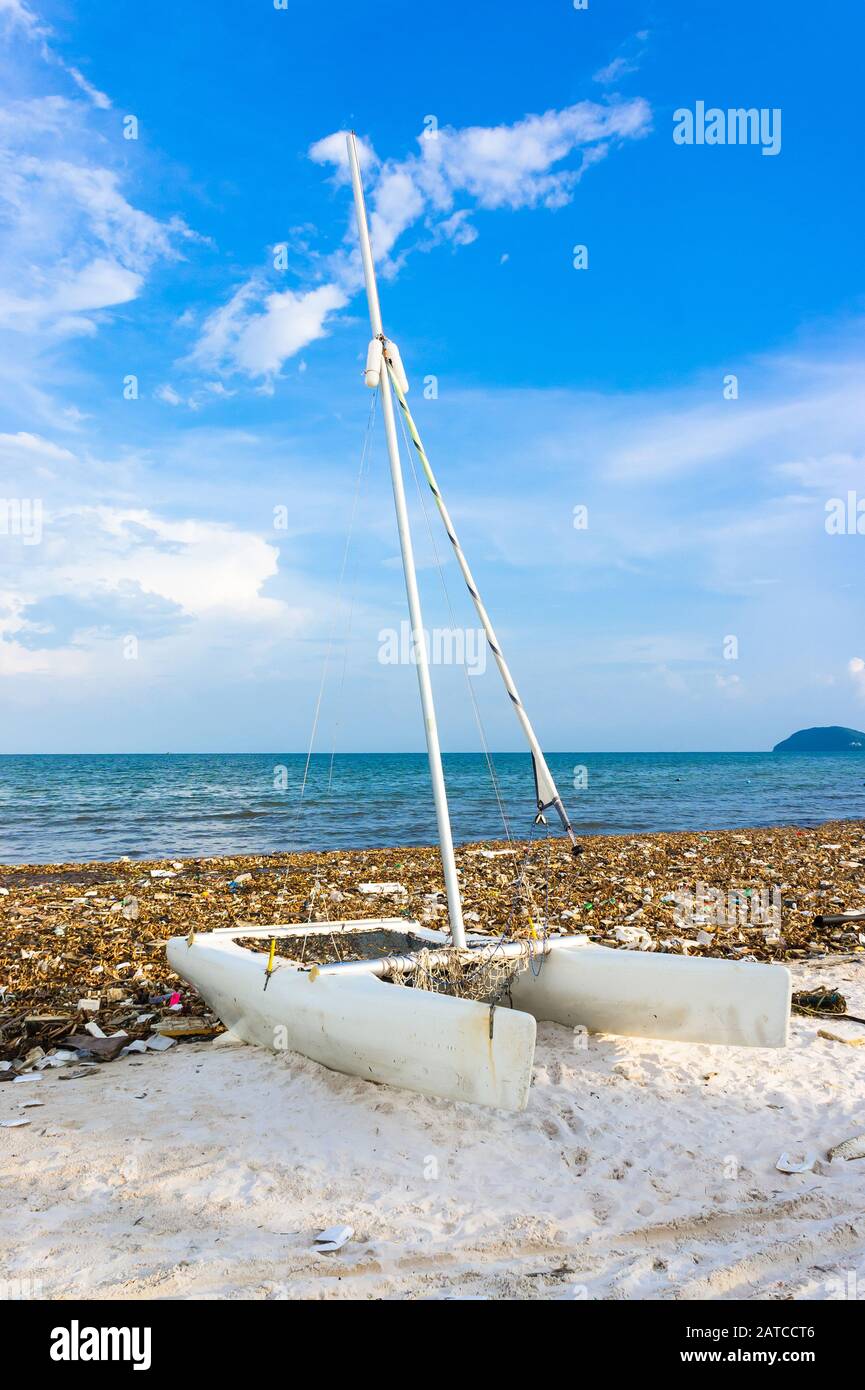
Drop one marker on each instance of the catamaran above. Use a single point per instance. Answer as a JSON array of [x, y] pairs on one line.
[[454, 1014]]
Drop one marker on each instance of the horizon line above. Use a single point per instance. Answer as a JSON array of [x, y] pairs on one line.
[[401, 753]]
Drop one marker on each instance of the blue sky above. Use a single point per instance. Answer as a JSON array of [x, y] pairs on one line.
[[556, 387]]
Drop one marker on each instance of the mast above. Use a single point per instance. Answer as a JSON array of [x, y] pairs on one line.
[[452, 888], [546, 791]]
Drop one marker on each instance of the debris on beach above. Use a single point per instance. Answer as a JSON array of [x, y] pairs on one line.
[[82, 943], [786, 1164], [819, 1001], [199, 1028], [851, 1148], [836, 1037], [334, 1238], [104, 1048]]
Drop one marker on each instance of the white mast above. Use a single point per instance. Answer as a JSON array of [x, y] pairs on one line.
[[547, 792], [455, 911]]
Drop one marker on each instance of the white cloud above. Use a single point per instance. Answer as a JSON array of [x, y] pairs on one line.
[[200, 566], [334, 150], [111, 565], [256, 336], [31, 449], [513, 166], [134, 236], [626, 61], [92, 93], [856, 671], [397, 203], [731, 686], [678, 437], [72, 244], [168, 395], [619, 67], [19, 18], [99, 285], [22, 661], [485, 167]]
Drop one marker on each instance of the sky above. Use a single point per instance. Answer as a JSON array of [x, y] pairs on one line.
[[634, 328]]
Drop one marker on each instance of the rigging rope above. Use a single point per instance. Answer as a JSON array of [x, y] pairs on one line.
[[475, 707], [339, 696], [545, 787], [326, 666], [497, 966]]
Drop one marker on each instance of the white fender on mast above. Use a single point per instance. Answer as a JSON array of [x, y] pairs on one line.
[[372, 376], [393, 357]]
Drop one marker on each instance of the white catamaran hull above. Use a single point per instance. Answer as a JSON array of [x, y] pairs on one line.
[[641, 994], [359, 1025], [441, 1046]]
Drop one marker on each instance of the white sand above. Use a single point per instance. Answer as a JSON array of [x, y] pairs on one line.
[[639, 1170]]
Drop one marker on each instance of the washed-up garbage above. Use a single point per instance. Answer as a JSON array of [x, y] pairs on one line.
[[851, 1148], [836, 1037], [636, 938], [63, 941], [786, 1164], [188, 1028], [334, 1238], [59, 1058], [819, 1001], [106, 1049], [838, 919], [823, 1003]]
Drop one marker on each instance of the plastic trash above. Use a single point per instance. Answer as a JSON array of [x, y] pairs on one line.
[[786, 1164], [334, 1238]]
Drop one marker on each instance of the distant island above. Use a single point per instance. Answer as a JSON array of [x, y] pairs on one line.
[[830, 739]]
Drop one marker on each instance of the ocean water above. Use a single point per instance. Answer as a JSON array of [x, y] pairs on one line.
[[57, 808]]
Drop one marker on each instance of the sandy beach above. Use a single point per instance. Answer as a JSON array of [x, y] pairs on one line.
[[640, 1169]]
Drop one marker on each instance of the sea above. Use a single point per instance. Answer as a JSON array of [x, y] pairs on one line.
[[74, 807]]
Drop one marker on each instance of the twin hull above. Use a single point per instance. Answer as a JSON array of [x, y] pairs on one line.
[[443, 1046]]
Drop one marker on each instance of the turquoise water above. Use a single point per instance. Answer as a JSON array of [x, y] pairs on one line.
[[74, 807]]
